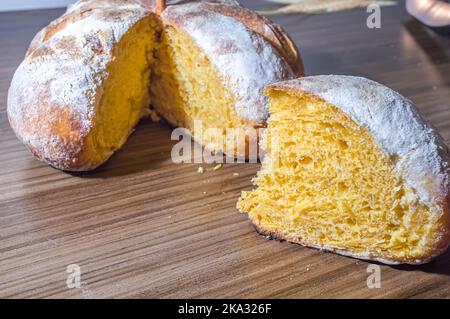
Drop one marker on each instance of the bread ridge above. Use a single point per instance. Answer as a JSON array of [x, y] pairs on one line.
[[421, 154]]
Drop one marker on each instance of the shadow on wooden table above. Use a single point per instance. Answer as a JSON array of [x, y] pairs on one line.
[[148, 148], [439, 265]]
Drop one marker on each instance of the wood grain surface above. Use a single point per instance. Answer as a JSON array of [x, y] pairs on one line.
[[143, 227]]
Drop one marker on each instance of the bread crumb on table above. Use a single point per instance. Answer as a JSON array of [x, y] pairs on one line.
[[201, 170], [235, 174], [217, 167]]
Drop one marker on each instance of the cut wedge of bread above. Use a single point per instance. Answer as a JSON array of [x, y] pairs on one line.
[[351, 167]]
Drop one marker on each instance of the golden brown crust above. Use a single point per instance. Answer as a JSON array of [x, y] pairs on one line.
[[53, 97], [71, 138]]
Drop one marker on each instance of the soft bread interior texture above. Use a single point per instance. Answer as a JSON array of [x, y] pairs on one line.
[[325, 182], [125, 95], [187, 88], [166, 69]]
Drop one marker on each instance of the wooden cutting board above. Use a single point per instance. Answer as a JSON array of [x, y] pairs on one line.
[[141, 226]]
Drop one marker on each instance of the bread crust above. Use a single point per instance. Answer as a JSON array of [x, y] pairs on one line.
[[388, 259], [209, 23], [54, 93], [422, 157]]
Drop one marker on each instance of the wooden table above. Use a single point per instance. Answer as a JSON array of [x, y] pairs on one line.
[[141, 226]]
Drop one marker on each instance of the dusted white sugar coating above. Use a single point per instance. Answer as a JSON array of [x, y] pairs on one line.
[[420, 153], [246, 62]]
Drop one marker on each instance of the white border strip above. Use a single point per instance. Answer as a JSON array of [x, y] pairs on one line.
[[19, 5]]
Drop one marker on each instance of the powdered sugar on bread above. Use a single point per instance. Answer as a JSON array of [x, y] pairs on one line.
[[60, 81], [55, 92], [420, 154]]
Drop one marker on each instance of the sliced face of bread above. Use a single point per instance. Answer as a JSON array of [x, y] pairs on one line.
[[352, 168], [125, 94], [186, 88]]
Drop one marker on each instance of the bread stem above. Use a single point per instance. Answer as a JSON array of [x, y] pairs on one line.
[[160, 6]]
